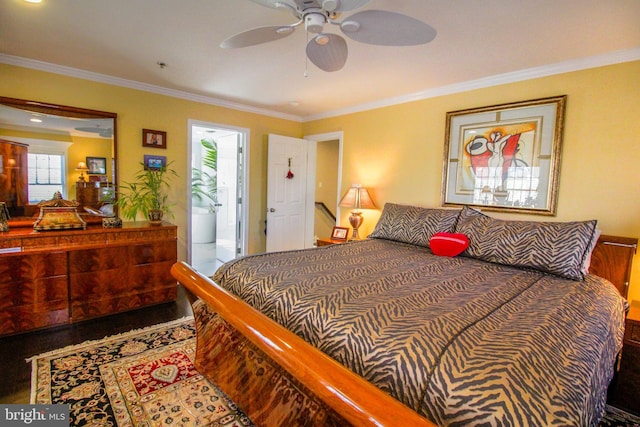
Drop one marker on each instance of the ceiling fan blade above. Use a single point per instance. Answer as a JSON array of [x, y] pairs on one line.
[[104, 132], [342, 5], [275, 4], [385, 28], [328, 51], [257, 36]]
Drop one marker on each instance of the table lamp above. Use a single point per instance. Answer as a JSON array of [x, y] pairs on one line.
[[356, 198], [82, 166]]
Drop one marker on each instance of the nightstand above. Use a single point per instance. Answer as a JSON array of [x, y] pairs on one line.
[[328, 242], [626, 387]]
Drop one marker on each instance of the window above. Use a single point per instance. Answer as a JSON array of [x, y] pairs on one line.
[[45, 176]]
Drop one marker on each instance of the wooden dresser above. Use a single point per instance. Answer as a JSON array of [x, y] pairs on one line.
[[56, 277]]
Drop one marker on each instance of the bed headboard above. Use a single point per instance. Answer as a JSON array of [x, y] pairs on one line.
[[612, 258]]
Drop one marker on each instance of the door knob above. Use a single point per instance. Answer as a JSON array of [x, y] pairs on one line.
[[271, 210]]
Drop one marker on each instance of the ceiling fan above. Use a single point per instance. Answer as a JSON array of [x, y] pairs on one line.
[[328, 51], [103, 132]]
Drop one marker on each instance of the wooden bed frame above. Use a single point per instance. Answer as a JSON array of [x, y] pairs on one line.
[[248, 348]]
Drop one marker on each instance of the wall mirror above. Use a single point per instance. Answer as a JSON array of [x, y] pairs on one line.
[[46, 148]]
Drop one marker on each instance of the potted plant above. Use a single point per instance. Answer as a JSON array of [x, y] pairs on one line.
[[204, 185], [204, 188], [147, 194]]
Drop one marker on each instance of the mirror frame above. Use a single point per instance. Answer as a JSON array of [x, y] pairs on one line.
[[65, 111]]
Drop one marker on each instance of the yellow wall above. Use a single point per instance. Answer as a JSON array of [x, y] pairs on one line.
[[399, 150], [139, 110]]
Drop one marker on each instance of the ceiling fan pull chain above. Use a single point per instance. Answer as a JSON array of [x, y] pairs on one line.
[[306, 59]]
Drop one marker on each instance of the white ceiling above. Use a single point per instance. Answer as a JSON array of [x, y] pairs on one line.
[[477, 41]]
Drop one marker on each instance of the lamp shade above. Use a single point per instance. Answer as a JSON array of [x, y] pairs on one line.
[[357, 197], [82, 166]]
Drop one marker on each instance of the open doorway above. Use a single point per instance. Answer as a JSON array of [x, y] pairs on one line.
[[325, 165], [326, 184], [217, 180]]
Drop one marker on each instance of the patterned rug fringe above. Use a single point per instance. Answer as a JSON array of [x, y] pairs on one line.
[[91, 343]]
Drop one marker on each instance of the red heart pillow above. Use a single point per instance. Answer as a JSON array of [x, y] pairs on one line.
[[448, 244]]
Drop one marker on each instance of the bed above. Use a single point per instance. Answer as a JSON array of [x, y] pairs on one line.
[[383, 331]]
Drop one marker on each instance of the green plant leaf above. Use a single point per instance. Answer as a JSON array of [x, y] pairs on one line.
[[148, 192]]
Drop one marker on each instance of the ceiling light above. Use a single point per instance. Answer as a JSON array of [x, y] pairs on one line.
[[33, 1], [330, 5], [350, 26], [34, 120], [322, 39]]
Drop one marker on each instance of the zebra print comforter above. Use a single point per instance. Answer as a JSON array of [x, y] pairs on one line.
[[461, 341]]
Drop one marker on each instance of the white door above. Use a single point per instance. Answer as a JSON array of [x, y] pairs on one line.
[[229, 169], [286, 193]]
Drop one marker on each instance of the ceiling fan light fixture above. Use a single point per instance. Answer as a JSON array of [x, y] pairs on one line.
[[314, 22], [330, 5], [350, 26], [321, 39]]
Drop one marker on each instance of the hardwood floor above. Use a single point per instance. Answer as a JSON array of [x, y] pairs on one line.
[[16, 371]]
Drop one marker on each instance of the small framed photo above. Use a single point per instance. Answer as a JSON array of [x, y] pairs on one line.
[[97, 165], [154, 138], [340, 233], [154, 162]]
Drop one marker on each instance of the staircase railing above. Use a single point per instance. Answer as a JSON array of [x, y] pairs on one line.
[[325, 209]]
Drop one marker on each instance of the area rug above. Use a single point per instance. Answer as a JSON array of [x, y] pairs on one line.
[[141, 378], [146, 378]]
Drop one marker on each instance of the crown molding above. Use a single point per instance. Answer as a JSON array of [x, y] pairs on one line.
[[131, 84], [610, 58], [500, 79]]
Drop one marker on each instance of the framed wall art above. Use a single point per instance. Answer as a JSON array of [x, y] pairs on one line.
[[154, 162], [504, 157], [154, 138], [97, 165]]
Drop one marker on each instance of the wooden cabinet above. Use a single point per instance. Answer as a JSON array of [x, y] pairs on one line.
[[57, 277], [625, 389], [33, 291], [13, 176], [97, 278], [612, 260], [93, 194]]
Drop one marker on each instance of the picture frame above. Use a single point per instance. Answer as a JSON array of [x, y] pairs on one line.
[[505, 157], [96, 165], [339, 233], [154, 138], [154, 162], [98, 178]]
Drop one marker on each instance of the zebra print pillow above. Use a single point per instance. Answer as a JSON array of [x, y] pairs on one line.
[[412, 224], [559, 248]]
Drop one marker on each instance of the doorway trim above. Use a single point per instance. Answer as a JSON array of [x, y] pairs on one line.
[[243, 178], [311, 189]]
